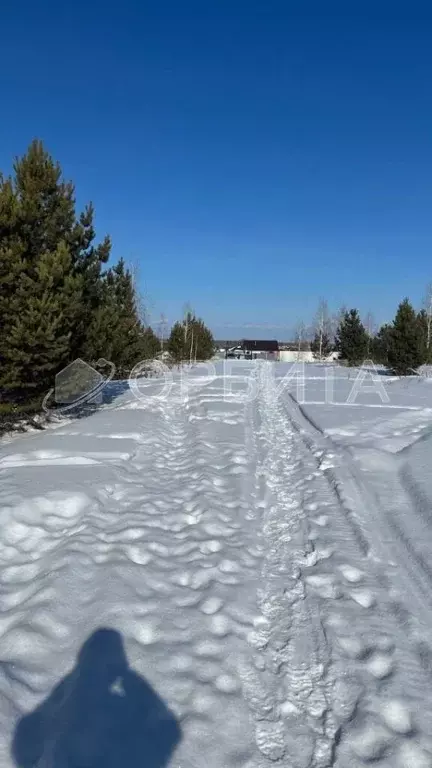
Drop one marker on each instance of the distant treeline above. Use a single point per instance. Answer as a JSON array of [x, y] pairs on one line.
[[402, 345]]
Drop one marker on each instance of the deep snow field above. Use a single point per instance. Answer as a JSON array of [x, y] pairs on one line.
[[225, 571]]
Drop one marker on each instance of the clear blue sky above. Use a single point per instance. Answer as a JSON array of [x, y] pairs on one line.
[[251, 156]]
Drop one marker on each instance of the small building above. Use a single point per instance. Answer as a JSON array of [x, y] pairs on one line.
[[252, 349]]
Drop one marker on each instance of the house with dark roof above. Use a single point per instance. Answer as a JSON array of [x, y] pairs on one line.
[[251, 349]]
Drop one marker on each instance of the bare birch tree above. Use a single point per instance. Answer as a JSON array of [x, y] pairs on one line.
[[369, 323], [322, 328], [370, 327], [187, 317], [163, 325], [336, 320], [142, 301], [300, 336], [427, 304]]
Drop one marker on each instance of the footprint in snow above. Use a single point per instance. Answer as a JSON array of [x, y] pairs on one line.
[[397, 716], [211, 605], [363, 597], [324, 585], [380, 665], [351, 574], [321, 520]]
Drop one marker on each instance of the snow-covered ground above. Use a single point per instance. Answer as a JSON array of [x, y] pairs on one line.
[[221, 577]]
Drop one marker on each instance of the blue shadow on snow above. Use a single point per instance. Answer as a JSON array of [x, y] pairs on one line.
[[101, 715]]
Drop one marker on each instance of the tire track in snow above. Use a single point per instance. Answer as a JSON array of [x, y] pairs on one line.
[[376, 682], [375, 517]]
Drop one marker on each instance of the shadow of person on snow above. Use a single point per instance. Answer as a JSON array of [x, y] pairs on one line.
[[102, 715]]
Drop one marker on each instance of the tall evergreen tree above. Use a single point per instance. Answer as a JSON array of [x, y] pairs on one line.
[[177, 342], [351, 338], [130, 341], [36, 341], [53, 294], [407, 348], [151, 344], [115, 331], [190, 340], [423, 321], [380, 345], [47, 265]]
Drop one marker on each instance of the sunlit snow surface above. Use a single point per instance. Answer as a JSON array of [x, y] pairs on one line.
[[221, 577]]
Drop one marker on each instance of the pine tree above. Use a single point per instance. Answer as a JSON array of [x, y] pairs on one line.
[[190, 340], [203, 341], [49, 273], [115, 331], [423, 321], [380, 345], [88, 261], [151, 344], [351, 338], [407, 348], [40, 335], [177, 342]]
